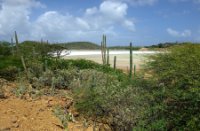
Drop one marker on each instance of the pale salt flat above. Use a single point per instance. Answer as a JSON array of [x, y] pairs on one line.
[[139, 57], [111, 52]]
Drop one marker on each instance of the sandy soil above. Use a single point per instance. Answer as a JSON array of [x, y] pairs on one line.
[[33, 114]]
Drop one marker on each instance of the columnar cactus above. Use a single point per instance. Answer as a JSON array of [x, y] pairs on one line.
[[108, 58], [104, 50], [131, 61], [17, 42], [134, 70], [115, 59]]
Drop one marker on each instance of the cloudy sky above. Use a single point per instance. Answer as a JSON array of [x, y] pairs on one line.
[[142, 22]]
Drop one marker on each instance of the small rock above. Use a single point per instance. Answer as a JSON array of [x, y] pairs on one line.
[[41, 110], [2, 96], [14, 119], [50, 103], [68, 104], [15, 125], [5, 129], [75, 113], [104, 127]]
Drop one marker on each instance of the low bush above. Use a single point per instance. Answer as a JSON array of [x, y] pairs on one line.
[[5, 49], [104, 96], [59, 79], [175, 104], [9, 73]]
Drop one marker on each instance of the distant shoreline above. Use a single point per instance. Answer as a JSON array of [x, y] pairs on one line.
[[111, 52]]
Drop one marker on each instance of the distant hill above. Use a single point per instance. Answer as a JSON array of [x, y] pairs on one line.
[[124, 48], [80, 45]]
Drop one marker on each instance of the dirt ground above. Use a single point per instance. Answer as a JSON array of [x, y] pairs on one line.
[[29, 114]]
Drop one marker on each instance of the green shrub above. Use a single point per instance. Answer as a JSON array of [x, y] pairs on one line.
[[104, 96], [60, 79], [82, 64], [175, 104], [10, 61], [63, 115], [5, 49], [9, 73]]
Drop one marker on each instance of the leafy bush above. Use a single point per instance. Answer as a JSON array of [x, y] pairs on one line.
[[104, 96], [55, 79], [5, 49], [81, 64], [63, 115], [175, 104], [9, 73], [9, 66], [10, 61]]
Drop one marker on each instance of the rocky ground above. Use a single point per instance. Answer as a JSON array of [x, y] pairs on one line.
[[28, 114]]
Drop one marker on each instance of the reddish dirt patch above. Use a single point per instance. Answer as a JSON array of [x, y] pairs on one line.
[[33, 115], [17, 114]]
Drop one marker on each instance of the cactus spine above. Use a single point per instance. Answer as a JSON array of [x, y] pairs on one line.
[[131, 61], [115, 59]]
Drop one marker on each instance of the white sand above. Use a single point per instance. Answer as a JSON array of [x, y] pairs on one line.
[[111, 52], [139, 57]]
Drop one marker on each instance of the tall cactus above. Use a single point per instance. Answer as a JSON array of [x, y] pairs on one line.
[[115, 59], [45, 65], [20, 54], [105, 46], [104, 50], [131, 61], [12, 44], [134, 70], [17, 42], [108, 57]]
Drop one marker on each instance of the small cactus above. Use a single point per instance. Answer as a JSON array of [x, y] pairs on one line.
[[134, 70], [115, 59], [45, 65]]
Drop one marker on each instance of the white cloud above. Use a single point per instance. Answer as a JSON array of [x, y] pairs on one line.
[[129, 25], [175, 33], [114, 10], [108, 14], [91, 11], [52, 25], [15, 15], [137, 2]]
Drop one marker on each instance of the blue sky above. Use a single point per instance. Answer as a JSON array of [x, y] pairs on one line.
[[143, 22]]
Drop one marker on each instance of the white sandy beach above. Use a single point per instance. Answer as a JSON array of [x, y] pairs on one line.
[[111, 52], [139, 57]]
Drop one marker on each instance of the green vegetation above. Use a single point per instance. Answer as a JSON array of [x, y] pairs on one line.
[[80, 45], [176, 97], [124, 48], [63, 115], [166, 100], [167, 45], [131, 62]]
